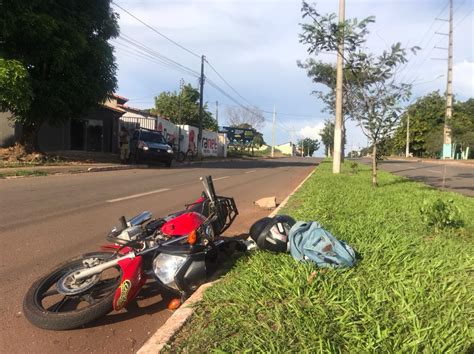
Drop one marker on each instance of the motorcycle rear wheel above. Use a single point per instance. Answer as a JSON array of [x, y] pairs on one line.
[[48, 304]]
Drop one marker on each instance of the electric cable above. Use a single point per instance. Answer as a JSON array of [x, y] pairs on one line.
[[155, 30]]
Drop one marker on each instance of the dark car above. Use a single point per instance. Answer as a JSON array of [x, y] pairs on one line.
[[150, 145]]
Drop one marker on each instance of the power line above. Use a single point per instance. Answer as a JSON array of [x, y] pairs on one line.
[[143, 55], [142, 47], [421, 44], [227, 83], [150, 54], [156, 31], [457, 24]]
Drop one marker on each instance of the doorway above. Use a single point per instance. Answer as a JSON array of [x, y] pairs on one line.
[[87, 134]]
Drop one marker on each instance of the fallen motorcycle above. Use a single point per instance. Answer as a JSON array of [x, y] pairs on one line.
[[178, 251]]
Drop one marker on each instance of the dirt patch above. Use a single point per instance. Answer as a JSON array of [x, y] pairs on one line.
[[17, 153], [17, 156]]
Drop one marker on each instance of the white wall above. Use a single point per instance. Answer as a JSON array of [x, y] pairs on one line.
[[213, 144]]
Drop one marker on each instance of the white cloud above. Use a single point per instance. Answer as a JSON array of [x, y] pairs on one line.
[[312, 131]]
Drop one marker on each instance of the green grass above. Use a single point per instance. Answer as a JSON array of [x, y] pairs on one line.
[[412, 290], [29, 173]]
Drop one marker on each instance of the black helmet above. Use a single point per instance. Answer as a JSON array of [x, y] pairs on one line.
[[272, 233]]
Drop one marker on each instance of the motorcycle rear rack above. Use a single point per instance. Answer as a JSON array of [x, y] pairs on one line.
[[225, 212]]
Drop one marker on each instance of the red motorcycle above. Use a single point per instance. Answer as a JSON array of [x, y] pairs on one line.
[[178, 251]]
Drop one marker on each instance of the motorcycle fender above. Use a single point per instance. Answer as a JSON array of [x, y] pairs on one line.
[[133, 280]]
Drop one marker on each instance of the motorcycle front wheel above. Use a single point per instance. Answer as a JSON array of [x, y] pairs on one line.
[[57, 302]]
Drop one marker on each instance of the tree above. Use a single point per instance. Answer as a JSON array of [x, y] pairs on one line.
[[257, 141], [463, 125], [377, 104], [252, 116], [426, 115], [372, 96], [309, 146], [63, 47], [325, 74], [15, 89], [327, 137], [183, 108]]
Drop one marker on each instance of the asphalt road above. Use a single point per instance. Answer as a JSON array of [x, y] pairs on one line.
[[47, 220], [455, 177]]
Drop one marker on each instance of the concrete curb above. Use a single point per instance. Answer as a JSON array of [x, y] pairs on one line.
[[285, 201], [115, 168], [443, 162], [173, 324]]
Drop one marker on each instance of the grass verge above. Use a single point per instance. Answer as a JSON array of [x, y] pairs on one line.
[[412, 290], [25, 173]]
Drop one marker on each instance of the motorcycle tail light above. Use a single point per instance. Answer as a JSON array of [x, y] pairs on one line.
[[192, 237], [165, 267]]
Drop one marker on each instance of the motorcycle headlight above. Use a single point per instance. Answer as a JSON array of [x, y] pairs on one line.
[[166, 266]]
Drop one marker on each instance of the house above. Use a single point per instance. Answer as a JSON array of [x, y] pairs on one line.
[[95, 131], [98, 130], [287, 149]]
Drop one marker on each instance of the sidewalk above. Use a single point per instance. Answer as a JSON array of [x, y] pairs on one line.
[[63, 169], [71, 168]]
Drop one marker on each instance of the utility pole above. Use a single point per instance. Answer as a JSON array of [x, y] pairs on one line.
[[201, 94], [181, 85], [217, 114], [302, 147], [273, 132], [407, 151], [336, 164], [447, 146]]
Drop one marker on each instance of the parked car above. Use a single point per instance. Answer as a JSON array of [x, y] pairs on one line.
[[149, 145]]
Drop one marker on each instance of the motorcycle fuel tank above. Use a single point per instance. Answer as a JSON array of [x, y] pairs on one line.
[[183, 224]]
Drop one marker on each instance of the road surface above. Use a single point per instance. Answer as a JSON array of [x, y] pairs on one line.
[[455, 177], [46, 220]]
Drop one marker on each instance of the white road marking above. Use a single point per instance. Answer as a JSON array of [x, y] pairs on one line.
[[251, 171], [433, 171], [216, 179], [137, 195]]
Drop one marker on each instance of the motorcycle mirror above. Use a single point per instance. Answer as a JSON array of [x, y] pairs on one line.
[[123, 222]]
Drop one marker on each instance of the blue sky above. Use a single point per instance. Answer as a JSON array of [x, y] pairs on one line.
[[254, 46]]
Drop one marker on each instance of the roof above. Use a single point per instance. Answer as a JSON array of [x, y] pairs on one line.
[[136, 110], [120, 98], [121, 111]]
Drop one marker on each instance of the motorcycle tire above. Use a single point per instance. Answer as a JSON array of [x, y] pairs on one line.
[[97, 299]]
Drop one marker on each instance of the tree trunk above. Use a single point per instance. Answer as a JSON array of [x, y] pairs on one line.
[[374, 165], [29, 138]]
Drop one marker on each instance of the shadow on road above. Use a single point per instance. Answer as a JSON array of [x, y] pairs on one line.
[[152, 299]]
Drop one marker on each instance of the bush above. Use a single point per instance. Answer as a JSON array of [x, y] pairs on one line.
[[441, 214]]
